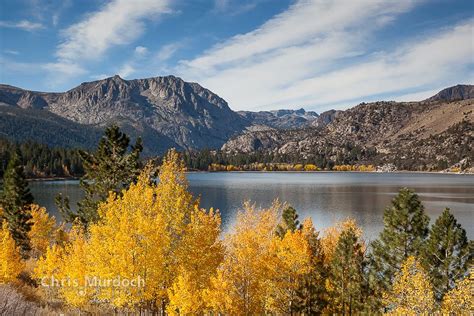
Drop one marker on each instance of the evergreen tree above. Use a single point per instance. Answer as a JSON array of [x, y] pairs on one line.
[[312, 292], [345, 281], [15, 199], [111, 168], [448, 253], [405, 230], [289, 222]]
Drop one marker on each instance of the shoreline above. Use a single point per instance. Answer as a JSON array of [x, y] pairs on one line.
[[286, 171]]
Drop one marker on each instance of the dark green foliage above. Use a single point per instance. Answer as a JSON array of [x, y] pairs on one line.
[[404, 233], [346, 275], [448, 253], [289, 222], [20, 125], [41, 160], [312, 293], [14, 200], [111, 168]]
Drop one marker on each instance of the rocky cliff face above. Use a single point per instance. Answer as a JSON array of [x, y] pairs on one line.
[[281, 119], [166, 111], [455, 93], [429, 131]]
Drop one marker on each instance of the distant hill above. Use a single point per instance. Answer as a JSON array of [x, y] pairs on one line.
[[412, 134]]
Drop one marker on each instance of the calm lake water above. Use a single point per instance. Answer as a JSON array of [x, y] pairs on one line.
[[325, 196]]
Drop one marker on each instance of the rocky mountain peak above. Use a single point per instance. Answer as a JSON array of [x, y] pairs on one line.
[[167, 110], [455, 93]]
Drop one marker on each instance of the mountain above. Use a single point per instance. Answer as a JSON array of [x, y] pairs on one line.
[[44, 127], [165, 111], [281, 119], [169, 112], [455, 93], [413, 134]]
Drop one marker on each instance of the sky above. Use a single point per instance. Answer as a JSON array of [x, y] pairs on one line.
[[256, 54]]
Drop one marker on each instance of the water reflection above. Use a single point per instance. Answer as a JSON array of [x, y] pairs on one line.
[[326, 197]]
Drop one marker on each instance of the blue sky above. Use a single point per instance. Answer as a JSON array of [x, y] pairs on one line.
[[256, 54]]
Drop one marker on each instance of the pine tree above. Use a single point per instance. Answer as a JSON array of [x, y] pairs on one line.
[[344, 284], [289, 222], [15, 199], [405, 231], [312, 292], [448, 253], [111, 168]]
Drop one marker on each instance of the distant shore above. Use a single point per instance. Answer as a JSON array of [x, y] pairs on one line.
[[274, 171]]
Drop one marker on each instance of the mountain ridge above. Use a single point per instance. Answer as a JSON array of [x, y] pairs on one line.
[[177, 113], [169, 112]]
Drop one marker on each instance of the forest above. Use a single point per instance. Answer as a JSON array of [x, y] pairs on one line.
[[135, 245], [42, 161]]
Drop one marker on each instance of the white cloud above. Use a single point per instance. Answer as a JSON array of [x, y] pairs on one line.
[[235, 7], [318, 53], [417, 96], [435, 60], [167, 51], [11, 52], [55, 19], [126, 70], [64, 68], [141, 51], [99, 76], [118, 22], [24, 25]]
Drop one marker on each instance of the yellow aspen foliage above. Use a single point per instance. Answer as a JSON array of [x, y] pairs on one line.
[[200, 254], [11, 263], [185, 296], [173, 199], [311, 167], [412, 292], [459, 300], [241, 284], [175, 204], [48, 271], [332, 234], [130, 242], [298, 167], [43, 230], [75, 289], [61, 235], [291, 262]]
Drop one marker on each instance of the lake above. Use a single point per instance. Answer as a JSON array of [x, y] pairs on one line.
[[325, 196]]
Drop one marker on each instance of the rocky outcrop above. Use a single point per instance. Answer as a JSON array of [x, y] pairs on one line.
[[412, 135], [455, 93], [166, 111], [281, 119]]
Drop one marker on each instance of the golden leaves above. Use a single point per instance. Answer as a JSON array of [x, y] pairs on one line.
[[412, 292], [11, 263]]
